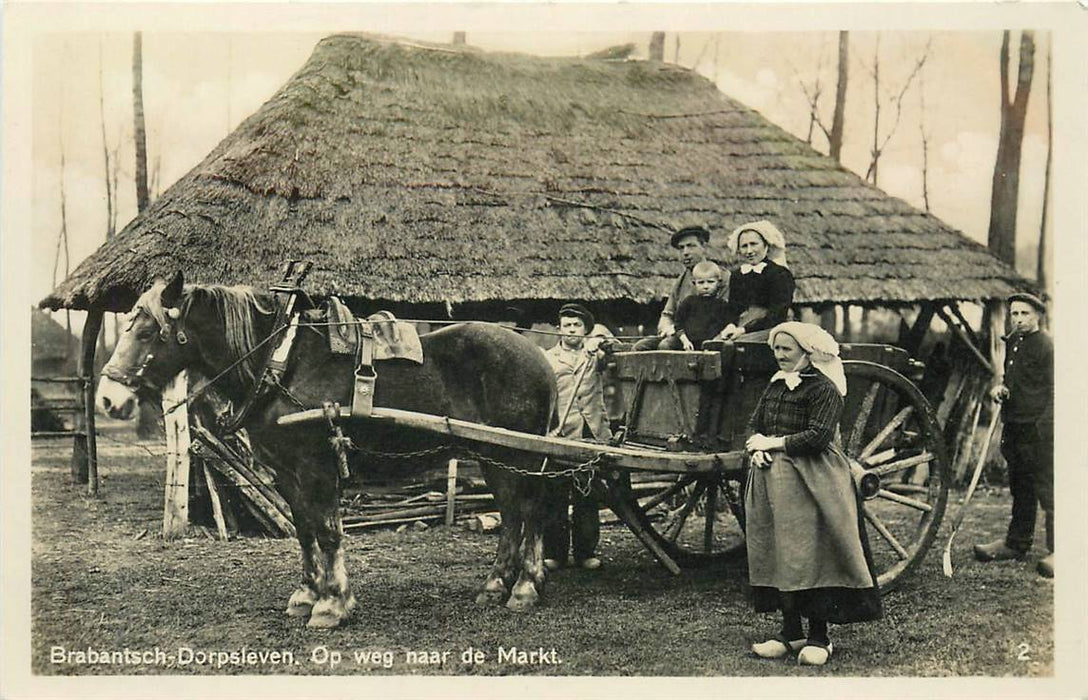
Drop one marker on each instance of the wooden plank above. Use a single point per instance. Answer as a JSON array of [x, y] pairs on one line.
[[259, 497], [254, 500], [569, 450], [451, 490], [217, 506], [175, 519], [662, 365]]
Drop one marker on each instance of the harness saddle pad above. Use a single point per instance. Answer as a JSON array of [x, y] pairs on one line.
[[392, 339]]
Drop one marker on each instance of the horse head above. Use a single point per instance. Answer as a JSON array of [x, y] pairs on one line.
[[151, 351]]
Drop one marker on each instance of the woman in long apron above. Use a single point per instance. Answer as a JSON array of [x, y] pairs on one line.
[[807, 552]]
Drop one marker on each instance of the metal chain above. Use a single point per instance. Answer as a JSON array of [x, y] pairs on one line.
[[588, 467]]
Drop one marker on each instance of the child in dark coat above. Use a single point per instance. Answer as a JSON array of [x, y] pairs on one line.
[[701, 316]]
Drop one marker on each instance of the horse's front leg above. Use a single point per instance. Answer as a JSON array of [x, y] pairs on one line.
[[336, 600], [533, 496], [306, 594], [504, 571]]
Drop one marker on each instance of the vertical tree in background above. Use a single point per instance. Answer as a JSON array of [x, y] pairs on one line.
[[1040, 269], [1001, 237], [148, 424], [838, 122], [139, 133], [657, 46]]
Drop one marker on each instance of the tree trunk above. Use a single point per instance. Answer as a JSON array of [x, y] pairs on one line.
[[139, 132], [1040, 269], [1001, 237], [657, 46], [839, 120]]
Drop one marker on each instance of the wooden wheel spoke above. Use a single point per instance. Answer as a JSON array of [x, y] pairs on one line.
[[677, 525], [709, 510], [880, 457], [900, 465], [887, 430], [880, 527], [907, 488], [862, 419], [905, 500], [668, 493]]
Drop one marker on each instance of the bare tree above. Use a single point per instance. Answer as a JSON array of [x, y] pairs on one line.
[[896, 101], [1040, 269], [62, 244], [925, 139], [838, 122], [110, 172], [139, 133], [1001, 237], [813, 93]]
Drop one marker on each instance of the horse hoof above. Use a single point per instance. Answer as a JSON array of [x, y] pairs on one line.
[[329, 612], [523, 598], [301, 603]]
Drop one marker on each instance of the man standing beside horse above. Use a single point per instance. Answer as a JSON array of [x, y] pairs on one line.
[[576, 360], [1026, 393]]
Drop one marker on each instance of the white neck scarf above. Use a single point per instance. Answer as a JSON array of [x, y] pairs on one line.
[[745, 268], [792, 379]]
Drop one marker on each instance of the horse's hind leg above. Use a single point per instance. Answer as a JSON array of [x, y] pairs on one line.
[[496, 588], [530, 584], [336, 600]]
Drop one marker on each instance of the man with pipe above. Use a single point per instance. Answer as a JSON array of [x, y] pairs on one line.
[[1026, 393], [576, 360]]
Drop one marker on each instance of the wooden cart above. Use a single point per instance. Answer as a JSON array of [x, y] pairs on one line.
[[676, 471]]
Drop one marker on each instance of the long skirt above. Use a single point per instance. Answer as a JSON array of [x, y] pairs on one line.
[[805, 536]]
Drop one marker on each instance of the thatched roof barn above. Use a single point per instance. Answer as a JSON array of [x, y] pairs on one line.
[[432, 175]]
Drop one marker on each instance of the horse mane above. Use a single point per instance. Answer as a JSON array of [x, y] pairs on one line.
[[237, 308]]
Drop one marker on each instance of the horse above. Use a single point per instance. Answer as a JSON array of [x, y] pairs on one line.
[[476, 372]]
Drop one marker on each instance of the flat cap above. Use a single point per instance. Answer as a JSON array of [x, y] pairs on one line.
[[698, 231], [1028, 299], [579, 311]]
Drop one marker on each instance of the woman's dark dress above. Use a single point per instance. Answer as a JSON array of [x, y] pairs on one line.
[[804, 530], [760, 300]]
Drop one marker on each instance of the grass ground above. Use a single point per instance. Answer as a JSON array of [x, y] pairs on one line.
[[103, 579]]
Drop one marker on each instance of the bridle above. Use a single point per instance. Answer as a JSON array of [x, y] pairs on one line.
[[138, 380]]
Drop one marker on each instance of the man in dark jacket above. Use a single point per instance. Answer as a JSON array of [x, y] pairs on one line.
[[1026, 393]]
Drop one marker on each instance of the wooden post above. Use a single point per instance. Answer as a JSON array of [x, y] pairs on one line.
[[451, 490], [85, 447], [175, 518]]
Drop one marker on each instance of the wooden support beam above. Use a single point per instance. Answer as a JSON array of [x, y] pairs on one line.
[[962, 335], [84, 446], [955, 309]]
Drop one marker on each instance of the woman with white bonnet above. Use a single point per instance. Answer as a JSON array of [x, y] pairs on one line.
[[807, 551], [761, 288]]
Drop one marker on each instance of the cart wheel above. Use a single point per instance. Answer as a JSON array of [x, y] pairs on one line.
[[697, 519], [890, 429]]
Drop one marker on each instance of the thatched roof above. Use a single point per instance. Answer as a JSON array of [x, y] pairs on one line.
[[425, 174], [49, 340]]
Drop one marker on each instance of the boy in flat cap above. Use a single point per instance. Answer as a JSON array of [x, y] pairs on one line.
[[691, 242], [1026, 393], [577, 360]]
